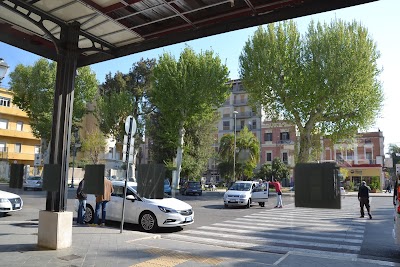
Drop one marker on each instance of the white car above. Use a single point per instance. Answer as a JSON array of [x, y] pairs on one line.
[[148, 213], [244, 193], [33, 182], [9, 202]]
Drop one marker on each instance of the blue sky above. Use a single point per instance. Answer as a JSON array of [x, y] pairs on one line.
[[380, 18]]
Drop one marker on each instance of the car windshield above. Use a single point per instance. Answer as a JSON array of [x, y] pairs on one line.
[[194, 185], [241, 187], [35, 178]]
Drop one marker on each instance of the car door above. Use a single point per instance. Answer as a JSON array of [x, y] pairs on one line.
[[133, 208], [260, 193], [114, 207]]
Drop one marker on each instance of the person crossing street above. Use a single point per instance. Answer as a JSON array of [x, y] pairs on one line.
[[363, 197]]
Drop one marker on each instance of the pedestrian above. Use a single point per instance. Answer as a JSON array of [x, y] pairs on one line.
[[81, 196], [101, 200], [363, 197], [278, 189]]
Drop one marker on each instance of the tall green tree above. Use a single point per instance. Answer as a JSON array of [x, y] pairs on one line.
[[247, 154], [33, 88], [94, 144], [188, 90], [325, 82], [123, 95]]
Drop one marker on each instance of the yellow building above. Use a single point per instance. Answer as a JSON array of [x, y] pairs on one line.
[[17, 143]]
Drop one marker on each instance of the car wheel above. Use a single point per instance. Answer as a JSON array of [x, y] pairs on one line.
[[262, 204], [200, 193], [89, 214], [148, 221], [225, 206], [248, 203], [25, 188]]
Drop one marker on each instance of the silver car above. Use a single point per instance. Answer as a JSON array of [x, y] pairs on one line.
[[33, 182]]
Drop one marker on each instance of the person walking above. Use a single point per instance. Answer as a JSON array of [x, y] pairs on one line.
[[81, 196], [278, 189], [363, 197], [101, 200]]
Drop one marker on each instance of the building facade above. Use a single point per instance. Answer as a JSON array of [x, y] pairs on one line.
[[17, 143]]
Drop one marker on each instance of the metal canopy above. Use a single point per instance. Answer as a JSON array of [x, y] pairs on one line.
[[114, 28]]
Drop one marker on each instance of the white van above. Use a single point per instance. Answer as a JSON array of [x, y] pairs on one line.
[[244, 193]]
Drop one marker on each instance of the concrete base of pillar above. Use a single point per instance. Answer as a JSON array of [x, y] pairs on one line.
[[55, 229]]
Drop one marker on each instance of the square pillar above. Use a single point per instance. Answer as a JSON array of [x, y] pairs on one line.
[[55, 229]]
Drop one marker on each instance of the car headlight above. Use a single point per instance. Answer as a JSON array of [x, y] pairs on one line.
[[167, 210], [2, 200], [243, 196]]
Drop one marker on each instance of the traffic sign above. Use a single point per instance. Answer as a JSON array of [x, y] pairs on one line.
[[130, 126]]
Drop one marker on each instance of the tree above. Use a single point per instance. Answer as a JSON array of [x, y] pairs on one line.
[[276, 170], [33, 88], [94, 144], [325, 82], [187, 91], [247, 153], [122, 95]]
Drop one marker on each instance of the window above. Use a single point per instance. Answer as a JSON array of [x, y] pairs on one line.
[[338, 155], [4, 101], [20, 125], [269, 157], [3, 124], [17, 148], [285, 157], [254, 124], [226, 125], [3, 147], [284, 136], [368, 155], [350, 155], [267, 136]]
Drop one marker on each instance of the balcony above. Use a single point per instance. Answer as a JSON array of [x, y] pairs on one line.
[[21, 156], [246, 114], [12, 111], [285, 142], [17, 134], [240, 103]]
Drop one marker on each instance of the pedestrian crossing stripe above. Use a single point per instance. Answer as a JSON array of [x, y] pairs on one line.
[[291, 230], [282, 234]]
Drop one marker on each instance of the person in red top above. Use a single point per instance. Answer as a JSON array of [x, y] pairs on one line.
[[278, 189]]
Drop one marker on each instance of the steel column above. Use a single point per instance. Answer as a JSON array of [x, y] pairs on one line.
[[62, 112]]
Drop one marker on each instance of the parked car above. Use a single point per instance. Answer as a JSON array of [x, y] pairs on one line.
[[33, 182], [191, 188], [167, 187], [150, 214], [244, 193], [9, 202]]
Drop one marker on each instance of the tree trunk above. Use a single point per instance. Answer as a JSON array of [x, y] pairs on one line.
[[305, 145], [179, 155]]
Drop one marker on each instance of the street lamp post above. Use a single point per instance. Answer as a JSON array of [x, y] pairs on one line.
[[234, 145], [3, 69], [75, 145]]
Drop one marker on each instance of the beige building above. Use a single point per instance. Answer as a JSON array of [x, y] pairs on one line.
[[17, 143]]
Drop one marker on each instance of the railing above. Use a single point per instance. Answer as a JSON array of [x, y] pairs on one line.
[[286, 142], [240, 102], [3, 153]]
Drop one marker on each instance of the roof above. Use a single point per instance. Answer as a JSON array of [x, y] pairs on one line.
[[114, 28]]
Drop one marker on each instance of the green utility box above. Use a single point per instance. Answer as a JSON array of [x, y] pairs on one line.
[[317, 185]]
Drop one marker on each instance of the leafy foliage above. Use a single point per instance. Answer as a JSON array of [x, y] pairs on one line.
[[33, 88], [325, 82], [94, 144], [187, 93], [276, 170]]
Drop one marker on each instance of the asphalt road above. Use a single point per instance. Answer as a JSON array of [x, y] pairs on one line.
[[377, 242]]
